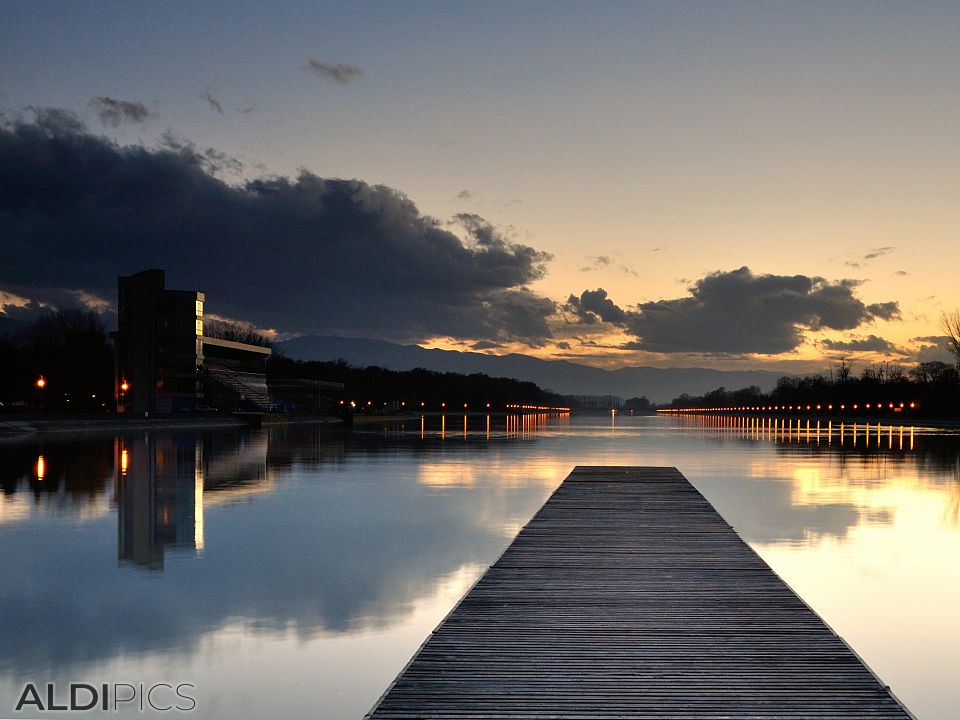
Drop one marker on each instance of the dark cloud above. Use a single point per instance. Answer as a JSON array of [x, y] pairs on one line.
[[934, 348], [901, 273], [871, 343], [340, 73], [738, 312], [28, 303], [485, 345], [303, 254], [56, 121], [212, 159], [594, 306], [212, 101], [116, 112], [563, 345], [501, 253], [885, 310], [465, 195]]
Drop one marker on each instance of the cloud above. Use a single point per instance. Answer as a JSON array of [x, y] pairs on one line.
[[56, 121], [594, 306], [901, 273], [871, 343], [304, 254], [885, 310], [340, 73], [116, 112], [879, 252], [934, 348], [28, 303], [868, 256], [212, 159], [599, 262], [596, 262], [465, 195], [484, 345], [212, 101], [737, 312]]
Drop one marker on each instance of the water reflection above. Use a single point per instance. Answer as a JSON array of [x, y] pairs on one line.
[[147, 547], [159, 494], [335, 552], [826, 479]]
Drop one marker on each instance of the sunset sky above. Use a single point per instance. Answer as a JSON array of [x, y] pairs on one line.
[[734, 185]]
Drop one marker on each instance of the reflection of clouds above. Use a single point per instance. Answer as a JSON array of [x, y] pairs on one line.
[[448, 474], [338, 547], [545, 471], [831, 495], [500, 479], [15, 508], [826, 481], [22, 507]]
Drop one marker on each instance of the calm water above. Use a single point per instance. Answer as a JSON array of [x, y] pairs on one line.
[[292, 572]]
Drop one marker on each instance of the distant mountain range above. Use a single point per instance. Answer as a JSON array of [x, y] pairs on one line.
[[657, 384]]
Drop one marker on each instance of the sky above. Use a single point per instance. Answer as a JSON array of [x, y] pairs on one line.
[[734, 185]]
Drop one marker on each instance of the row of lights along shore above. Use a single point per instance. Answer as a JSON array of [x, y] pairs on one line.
[[895, 407], [466, 406]]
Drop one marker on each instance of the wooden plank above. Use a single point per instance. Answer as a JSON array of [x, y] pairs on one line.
[[628, 596]]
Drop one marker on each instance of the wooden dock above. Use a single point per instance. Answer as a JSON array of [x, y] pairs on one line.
[[628, 596]]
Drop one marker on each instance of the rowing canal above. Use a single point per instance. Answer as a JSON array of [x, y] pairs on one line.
[[292, 571]]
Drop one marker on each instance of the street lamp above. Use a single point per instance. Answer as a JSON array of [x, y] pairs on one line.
[[41, 384]]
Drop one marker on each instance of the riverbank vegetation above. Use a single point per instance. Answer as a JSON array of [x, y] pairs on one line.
[[929, 389], [374, 388]]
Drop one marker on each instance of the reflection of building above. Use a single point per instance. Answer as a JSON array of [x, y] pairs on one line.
[[164, 481], [159, 495], [164, 362]]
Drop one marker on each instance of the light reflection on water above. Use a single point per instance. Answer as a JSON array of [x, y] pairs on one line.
[[293, 571]]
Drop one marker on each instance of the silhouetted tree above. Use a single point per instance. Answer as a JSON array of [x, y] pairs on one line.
[[950, 323], [70, 349]]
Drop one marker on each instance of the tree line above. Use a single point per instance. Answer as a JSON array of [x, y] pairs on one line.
[[929, 388], [61, 361], [64, 361], [373, 388]]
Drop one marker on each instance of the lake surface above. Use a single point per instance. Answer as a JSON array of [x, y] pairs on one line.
[[293, 571]]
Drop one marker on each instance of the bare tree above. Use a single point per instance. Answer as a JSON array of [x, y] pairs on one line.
[[950, 324], [842, 370]]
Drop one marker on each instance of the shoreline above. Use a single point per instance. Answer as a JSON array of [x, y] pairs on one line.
[[920, 422], [24, 427]]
